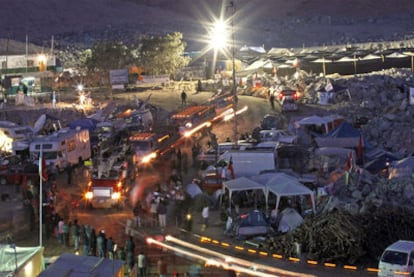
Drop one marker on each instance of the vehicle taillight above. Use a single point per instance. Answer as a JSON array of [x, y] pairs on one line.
[[295, 96], [281, 96]]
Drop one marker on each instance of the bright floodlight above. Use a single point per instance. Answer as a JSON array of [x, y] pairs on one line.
[[218, 36], [80, 87]]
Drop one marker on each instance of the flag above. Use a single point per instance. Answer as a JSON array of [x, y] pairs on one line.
[[230, 167], [349, 163], [42, 167], [329, 86]]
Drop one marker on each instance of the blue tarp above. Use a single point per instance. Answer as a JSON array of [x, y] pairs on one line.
[[345, 135], [84, 123]]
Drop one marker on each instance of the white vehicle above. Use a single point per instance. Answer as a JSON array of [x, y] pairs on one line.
[[62, 148], [13, 137], [397, 260], [281, 136]]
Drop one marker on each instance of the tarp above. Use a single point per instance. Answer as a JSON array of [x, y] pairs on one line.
[[71, 265], [380, 163], [242, 184], [193, 190], [84, 123], [402, 168], [20, 261], [345, 135]]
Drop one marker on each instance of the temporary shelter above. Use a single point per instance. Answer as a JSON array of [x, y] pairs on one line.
[[243, 184], [193, 190], [344, 135], [289, 220], [252, 224], [84, 123], [282, 185], [20, 261], [401, 168]]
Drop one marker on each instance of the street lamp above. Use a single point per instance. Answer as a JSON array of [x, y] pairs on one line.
[[218, 35]]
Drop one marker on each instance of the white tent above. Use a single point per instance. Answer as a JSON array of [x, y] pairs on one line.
[[242, 184], [21, 261], [282, 184]]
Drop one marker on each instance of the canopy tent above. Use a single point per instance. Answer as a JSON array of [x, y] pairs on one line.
[[282, 184], [242, 184], [20, 261], [380, 164]]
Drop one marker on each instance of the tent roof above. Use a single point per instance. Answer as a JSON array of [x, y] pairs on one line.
[[74, 265], [406, 162], [9, 259], [242, 183], [285, 185]]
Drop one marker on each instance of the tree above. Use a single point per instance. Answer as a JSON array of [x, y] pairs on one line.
[[162, 55], [107, 55]]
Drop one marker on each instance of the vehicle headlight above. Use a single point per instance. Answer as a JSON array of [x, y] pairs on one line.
[[149, 157], [116, 195], [89, 195]]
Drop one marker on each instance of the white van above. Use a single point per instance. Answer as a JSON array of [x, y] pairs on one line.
[[397, 260]]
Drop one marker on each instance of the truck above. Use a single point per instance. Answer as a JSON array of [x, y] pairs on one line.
[[66, 147], [107, 186], [193, 118], [148, 146]]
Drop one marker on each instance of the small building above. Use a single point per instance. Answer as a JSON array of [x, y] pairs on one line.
[[71, 265]]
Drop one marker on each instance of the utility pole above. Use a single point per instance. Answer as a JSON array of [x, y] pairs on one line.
[[234, 87]]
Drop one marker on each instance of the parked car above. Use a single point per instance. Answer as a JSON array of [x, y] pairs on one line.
[[287, 98], [281, 136]]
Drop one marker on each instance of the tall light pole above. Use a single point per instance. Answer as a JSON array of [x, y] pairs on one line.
[[234, 87]]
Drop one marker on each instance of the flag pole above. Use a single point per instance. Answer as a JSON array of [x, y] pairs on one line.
[[40, 195]]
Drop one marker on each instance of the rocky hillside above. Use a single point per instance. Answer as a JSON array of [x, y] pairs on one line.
[[258, 22]]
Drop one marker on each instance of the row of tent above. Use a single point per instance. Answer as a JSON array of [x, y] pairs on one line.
[[337, 60]]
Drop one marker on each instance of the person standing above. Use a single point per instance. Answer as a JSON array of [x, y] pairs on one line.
[[65, 228], [162, 215], [137, 214], [60, 224], [142, 264], [183, 98], [130, 250], [110, 248], [162, 268], [205, 215], [272, 100], [85, 240], [75, 234], [100, 242]]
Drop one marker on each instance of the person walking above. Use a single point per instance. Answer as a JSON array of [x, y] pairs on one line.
[[137, 214], [142, 264], [183, 98]]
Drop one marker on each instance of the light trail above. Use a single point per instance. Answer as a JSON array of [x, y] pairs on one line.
[[189, 133], [230, 116], [229, 262]]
